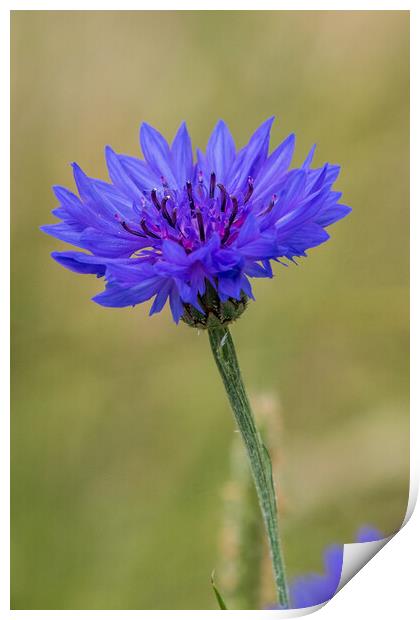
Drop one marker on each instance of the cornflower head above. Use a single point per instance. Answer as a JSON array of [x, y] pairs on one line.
[[194, 233]]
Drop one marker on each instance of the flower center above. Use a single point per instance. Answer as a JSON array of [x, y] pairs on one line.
[[191, 215]]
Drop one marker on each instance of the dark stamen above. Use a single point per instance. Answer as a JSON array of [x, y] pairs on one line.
[[212, 184], [231, 219], [130, 230], [190, 195], [201, 225], [174, 212], [226, 234], [270, 206], [155, 199], [234, 210], [249, 190], [224, 199], [147, 230], [165, 211]]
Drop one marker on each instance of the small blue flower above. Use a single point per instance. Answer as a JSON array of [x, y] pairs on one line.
[[169, 229], [314, 589]]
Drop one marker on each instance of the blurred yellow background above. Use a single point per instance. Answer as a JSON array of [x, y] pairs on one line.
[[121, 432]]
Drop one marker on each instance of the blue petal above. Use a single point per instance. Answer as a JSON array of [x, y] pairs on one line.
[[64, 232], [226, 259], [79, 262], [252, 244], [274, 168], [118, 175], [116, 296], [177, 307], [309, 590], [113, 246], [187, 295], [173, 252], [220, 151], [332, 215], [112, 202], [246, 287], [71, 203], [157, 154], [257, 270], [161, 297], [182, 156], [333, 562], [83, 183], [309, 158], [63, 214], [305, 212], [249, 231], [367, 533], [250, 159], [295, 187], [229, 287], [102, 201], [314, 589], [140, 173], [327, 174], [260, 249], [130, 272], [308, 236]]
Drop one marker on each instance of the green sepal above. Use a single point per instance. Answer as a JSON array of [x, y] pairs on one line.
[[215, 313]]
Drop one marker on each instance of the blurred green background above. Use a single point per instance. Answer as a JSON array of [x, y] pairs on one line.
[[121, 432]]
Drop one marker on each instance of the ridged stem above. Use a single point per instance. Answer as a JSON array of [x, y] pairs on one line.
[[225, 356]]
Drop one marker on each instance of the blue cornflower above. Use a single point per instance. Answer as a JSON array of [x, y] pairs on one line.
[[194, 233], [314, 589]]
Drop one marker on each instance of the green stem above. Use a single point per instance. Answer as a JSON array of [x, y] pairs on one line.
[[224, 353]]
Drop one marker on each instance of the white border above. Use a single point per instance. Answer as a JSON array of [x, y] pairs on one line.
[[386, 586], [219, 5], [5, 315]]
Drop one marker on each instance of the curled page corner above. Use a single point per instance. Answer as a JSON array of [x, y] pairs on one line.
[[412, 496], [294, 613], [356, 556]]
